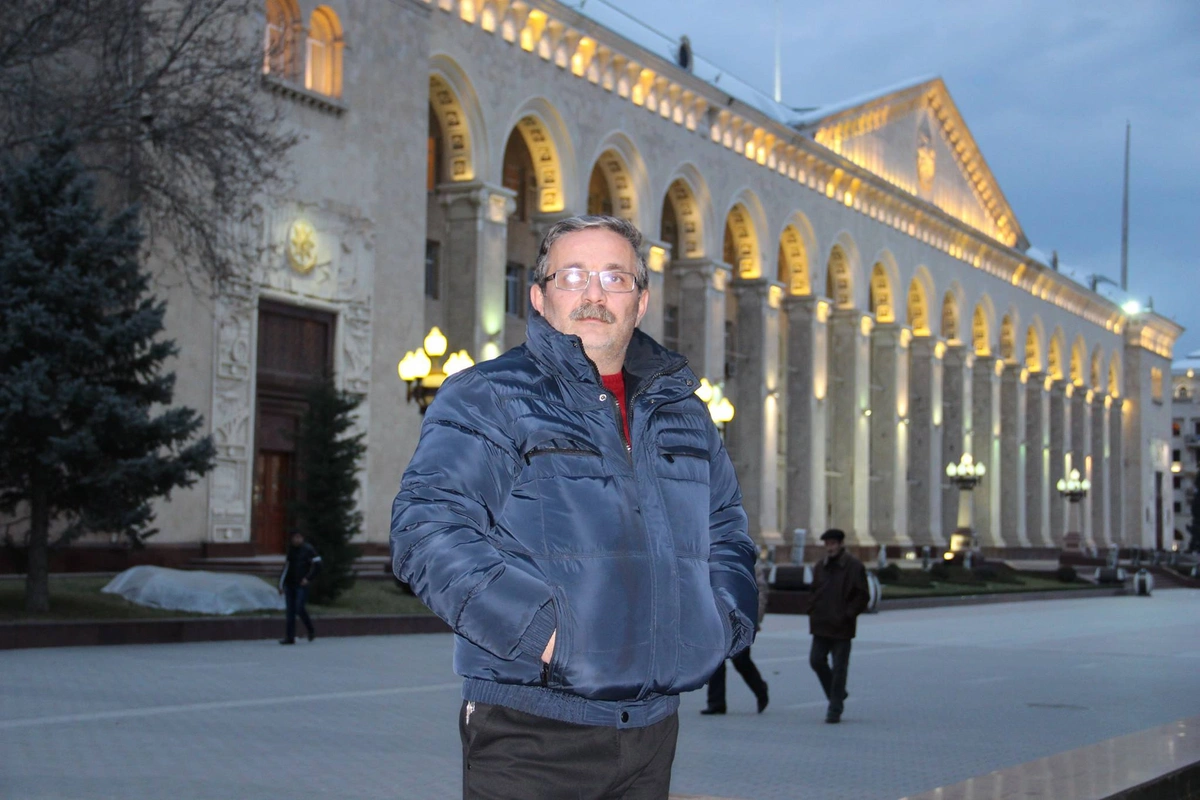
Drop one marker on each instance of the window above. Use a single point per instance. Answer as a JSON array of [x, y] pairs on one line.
[[1177, 482], [1176, 427], [278, 58], [1156, 384], [1196, 427], [514, 290], [1178, 507], [433, 269], [671, 327], [323, 59]]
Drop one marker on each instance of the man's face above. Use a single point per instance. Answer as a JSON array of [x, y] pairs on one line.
[[297, 540], [832, 547], [604, 321]]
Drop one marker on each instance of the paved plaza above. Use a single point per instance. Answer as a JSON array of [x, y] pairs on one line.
[[937, 696]]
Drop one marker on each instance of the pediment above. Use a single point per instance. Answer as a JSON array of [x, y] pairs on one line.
[[914, 137]]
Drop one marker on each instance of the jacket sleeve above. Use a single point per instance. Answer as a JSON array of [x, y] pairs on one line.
[[731, 551], [455, 487], [860, 593]]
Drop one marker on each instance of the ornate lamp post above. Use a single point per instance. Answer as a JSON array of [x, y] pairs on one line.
[[966, 475], [423, 376], [1073, 490], [719, 407]]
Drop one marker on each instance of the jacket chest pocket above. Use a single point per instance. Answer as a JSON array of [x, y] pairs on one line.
[[682, 468], [559, 458]]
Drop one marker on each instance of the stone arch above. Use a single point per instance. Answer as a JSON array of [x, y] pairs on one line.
[[1055, 359], [688, 201], [1008, 339], [982, 323], [1114, 374], [1078, 356], [796, 242], [1097, 370], [952, 304], [840, 270], [545, 134], [453, 101], [743, 233], [282, 54], [621, 167], [881, 296], [917, 313], [1035, 360]]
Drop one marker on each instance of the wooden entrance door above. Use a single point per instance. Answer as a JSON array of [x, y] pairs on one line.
[[295, 348]]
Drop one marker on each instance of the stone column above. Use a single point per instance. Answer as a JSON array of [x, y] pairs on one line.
[[889, 435], [474, 253], [956, 424], [1037, 461], [1012, 457], [985, 447], [1081, 450], [926, 462], [702, 315], [751, 437], [1101, 488], [1060, 444], [807, 407], [848, 445], [1116, 486], [658, 257]]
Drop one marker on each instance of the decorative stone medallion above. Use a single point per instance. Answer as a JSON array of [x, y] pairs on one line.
[[302, 246]]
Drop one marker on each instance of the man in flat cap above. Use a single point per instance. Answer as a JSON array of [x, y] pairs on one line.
[[839, 595]]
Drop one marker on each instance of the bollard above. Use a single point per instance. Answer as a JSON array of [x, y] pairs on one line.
[[1143, 583], [926, 558]]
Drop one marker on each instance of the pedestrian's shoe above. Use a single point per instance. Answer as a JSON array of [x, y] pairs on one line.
[[713, 710], [833, 718], [287, 641], [763, 698], [312, 635]]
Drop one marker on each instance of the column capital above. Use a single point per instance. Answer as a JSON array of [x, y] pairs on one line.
[[960, 354], [699, 271], [491, 202], [892, 333], [808, 304]]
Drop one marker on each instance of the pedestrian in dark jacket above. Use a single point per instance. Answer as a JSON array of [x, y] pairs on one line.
[[572, 514], [741, 662], [839, 595], [299, 569]]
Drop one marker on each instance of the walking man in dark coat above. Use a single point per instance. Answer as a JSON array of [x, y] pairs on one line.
[[299, 569], [839, 595]]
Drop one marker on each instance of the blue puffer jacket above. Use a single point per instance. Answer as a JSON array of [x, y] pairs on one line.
[[522, 512]]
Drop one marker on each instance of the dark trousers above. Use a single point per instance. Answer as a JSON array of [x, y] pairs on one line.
[[296, 597], [509, 754], [745, 668], [833, 681]]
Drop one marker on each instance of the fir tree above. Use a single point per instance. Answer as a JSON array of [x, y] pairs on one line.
[[326, 508], [89, 437]]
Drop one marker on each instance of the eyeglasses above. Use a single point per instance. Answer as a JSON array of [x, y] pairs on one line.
[[574, 279]]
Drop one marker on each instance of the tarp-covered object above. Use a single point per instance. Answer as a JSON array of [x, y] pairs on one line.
[[201, 592]]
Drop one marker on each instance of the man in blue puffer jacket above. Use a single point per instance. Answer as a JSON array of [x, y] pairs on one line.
[[571, 512]]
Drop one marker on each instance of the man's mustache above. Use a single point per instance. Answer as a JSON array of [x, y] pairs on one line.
[[593, 311]]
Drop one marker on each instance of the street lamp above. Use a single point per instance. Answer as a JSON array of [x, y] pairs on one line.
[[1074, 491], [966, 475], [719, 407], [422, 375]]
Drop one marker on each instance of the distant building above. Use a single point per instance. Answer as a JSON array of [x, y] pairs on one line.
[[1185, 442]]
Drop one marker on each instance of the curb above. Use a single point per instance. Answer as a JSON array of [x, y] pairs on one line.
[[899, 603], [19, 635]]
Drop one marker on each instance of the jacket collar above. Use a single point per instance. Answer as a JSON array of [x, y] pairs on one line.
[[563, 353]]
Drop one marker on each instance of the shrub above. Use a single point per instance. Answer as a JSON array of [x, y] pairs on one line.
[[1066, 573], [889, 574], [939, 571]]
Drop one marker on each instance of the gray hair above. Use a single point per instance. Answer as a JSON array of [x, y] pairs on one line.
[[621, 227]]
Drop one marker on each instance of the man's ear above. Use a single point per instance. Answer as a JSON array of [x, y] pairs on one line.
[[643, 304], [537, 298]]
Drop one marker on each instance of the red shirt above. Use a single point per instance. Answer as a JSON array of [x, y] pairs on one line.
[[616, 386]]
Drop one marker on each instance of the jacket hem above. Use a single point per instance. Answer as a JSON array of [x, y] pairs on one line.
[[564, 707]]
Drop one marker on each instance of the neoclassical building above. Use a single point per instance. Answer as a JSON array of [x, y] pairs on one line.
[[852, 276]]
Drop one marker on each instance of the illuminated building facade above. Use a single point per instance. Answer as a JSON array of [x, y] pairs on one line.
[[1185, 443], [853, 276]]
